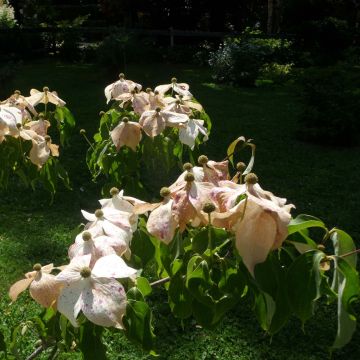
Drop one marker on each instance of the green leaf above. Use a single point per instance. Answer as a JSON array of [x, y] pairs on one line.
[[348, 290], [142, 247], [198, 280], [343, 244], [176, 266], [302, 222], [40, 326], [264, 308], [90, 344], [135, 294], [200, 241], [65, 123], [274, 309], [252, 159], [231, 149], [143, 285], [303, 283], [64, 329], [243, 143], [351, 290], [15, 334], [180, 300], [137, 322], [301, 247]]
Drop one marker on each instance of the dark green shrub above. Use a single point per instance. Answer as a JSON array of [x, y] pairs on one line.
[[331, 98], [275, 73], [326, 39], [239, 60], [121, 47]]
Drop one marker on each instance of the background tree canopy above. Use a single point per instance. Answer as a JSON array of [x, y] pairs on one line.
[[284, 16]]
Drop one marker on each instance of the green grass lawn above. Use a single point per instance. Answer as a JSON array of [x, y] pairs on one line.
[[321, 181]]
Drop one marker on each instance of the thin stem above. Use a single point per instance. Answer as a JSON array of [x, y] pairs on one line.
[[231, 154], [37, 352], [350, 253], [327, 235], [21, 148], [243, 214], [87, 140], [160, 282], [210, 243], [107, 126]]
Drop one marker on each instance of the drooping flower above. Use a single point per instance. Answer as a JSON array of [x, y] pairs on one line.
[[188, 134], [19, 101], [126, 133], [189, 199], [182, 205], [97, 247], [179, 88], [177, 107], [94, 291], [27, 134], [210, 171], [183, 103], [119, 87], [43, 287], [259, 220], [123, 203], [46, 96], [119, 201], [263, 228], [154, 122], [161, 222], [139, 101], [10, 119], [155, 99], [39, 126], [41, 149], [114, 223]]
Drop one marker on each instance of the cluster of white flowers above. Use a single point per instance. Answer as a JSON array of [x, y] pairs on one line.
[[156, 111], [20, 119], [88, 283], [7, 16], [201, 195]]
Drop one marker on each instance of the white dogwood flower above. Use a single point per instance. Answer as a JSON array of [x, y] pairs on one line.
[[94, 291], [46, 96], [188, 134], [119, 87]]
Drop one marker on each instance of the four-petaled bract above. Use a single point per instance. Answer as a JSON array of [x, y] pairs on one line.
[[94, 290]]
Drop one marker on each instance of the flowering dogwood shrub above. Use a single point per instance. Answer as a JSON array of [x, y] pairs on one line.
[[26, 148], [7, 16], [143, 134], [215, 239]]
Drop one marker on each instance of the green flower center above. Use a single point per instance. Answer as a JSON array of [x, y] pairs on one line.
[[85, 272]]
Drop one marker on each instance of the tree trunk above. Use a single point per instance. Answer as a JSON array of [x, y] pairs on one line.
[[274, 16], [270, 17]]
